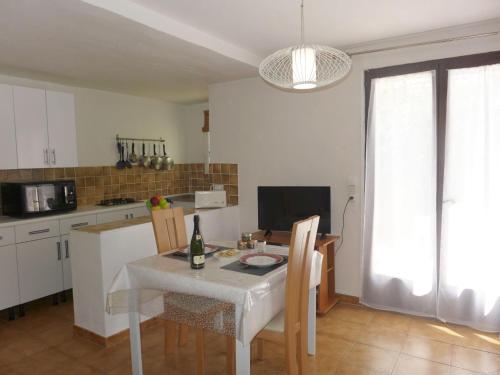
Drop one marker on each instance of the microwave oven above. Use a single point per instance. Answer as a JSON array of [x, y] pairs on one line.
[[27, 199]]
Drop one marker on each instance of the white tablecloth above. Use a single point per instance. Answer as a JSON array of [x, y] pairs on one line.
[[257, 299]]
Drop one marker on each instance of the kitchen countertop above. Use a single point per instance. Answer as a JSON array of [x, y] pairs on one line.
[[7, 221]]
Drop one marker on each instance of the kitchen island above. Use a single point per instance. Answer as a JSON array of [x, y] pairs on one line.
[[100, 251]]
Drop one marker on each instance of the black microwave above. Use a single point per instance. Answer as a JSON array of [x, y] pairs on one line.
[[27, 199]]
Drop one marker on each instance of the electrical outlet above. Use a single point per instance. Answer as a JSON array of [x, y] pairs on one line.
[[351, 191]]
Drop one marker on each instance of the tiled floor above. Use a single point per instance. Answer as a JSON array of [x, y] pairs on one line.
[[351, 340]]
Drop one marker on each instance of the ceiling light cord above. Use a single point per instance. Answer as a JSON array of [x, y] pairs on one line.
[[302, 22]]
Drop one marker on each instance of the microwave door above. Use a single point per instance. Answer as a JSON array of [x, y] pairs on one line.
[[32, 199], [47, 197]]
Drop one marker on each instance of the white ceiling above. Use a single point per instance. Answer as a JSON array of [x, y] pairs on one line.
[[172, 49], [263, 26]]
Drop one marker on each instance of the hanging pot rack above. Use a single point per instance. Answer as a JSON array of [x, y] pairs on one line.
[[156, 140]]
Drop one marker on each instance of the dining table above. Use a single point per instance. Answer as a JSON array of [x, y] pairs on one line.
[[138, 289]]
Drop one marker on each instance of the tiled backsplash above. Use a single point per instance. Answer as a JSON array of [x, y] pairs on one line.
[[94, 184]]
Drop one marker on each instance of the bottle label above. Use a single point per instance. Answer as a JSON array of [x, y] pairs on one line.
[[199, 259], [198, 237]]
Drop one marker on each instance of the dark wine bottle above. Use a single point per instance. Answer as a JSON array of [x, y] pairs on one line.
[[197, 248]]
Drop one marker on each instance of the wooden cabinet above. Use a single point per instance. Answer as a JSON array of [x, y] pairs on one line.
[[8, 150], [39, 268], [9, 288], [45, 129], [61, 129], [30, 111]]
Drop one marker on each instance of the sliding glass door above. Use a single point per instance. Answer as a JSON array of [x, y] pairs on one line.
[[432, 190], [400, 230], [469, 290]]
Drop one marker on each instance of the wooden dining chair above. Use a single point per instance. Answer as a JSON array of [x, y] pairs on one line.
[[290, 326], [170, 234]]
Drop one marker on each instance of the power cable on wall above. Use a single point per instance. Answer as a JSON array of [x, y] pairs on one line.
[[351, 198]]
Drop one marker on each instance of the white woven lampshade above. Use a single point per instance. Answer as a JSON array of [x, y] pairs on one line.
[[306, 66]]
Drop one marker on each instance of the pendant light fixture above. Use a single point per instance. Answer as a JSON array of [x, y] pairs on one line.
[[305, 66]]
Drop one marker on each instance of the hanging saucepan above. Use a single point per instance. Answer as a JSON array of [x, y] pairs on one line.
[[147, 158], [168, 162], [133, 158], [157, 161]]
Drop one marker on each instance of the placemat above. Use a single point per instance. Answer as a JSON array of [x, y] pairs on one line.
[[182, 255], [237, 266]]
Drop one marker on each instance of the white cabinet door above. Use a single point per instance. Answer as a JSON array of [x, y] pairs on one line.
[[108, 217], [138, 212], [9, 288], [30, 112], [62, 129], [8, 151], [66, 263], [39, 268]]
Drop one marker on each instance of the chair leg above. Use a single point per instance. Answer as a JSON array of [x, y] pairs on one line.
[[230, 355], [183, 334], [260, 349], [200, 352], [170, 336], [302, 354]]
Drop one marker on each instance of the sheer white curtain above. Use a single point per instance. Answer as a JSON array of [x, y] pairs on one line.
[[469, 288], [399, 258]]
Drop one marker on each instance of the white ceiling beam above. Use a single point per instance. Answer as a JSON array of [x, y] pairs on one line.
[[167, 25]]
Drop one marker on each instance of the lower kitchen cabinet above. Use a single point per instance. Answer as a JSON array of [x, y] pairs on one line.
[[66, 263], [9, 287], [39, 268]]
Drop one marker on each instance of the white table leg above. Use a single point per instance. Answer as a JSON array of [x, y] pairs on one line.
[[135, 342], [242, 359], [311, 323]]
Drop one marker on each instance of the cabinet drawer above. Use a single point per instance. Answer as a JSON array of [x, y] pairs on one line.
[[76, 222], [37, 231], [7, 236]]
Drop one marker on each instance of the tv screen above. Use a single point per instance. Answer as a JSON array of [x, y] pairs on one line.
[[281, 206]]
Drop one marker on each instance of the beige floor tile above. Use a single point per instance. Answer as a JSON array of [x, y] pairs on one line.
[[394, 321], [349, 331], [461, 371], [408, 365], [382, 337], [435, 330], [368, 358], [352, 313], [475, 360], [77, 347], [425, 348]]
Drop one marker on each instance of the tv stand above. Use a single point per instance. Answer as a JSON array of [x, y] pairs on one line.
[[325, 244]]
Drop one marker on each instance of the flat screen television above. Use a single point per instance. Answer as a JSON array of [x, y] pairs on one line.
[[281, 206]]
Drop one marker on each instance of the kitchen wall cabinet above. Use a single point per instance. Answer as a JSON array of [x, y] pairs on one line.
[[9, 287], [39, 268], [30, 111], [45, 129], [8, 150], [61, 129]]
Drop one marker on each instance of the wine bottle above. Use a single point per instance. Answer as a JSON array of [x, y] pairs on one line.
[[197, 248]]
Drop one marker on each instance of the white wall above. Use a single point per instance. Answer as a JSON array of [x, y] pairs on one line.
[[281, 138], [196, 140], [100, 115]]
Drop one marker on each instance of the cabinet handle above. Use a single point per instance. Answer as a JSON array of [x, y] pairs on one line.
[[46, 156], [77, 225], [126, 216], [53, 156], [1, 238], [131, 216], [39, 231], [58, 250], [66, 245]]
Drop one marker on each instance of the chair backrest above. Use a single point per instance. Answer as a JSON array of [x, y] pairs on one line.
[[169, 228], [297, 289]]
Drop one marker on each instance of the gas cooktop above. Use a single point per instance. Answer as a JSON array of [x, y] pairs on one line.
[[116, 201]]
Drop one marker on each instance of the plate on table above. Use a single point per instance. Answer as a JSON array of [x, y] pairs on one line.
[[261, 260], [227, 253]]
